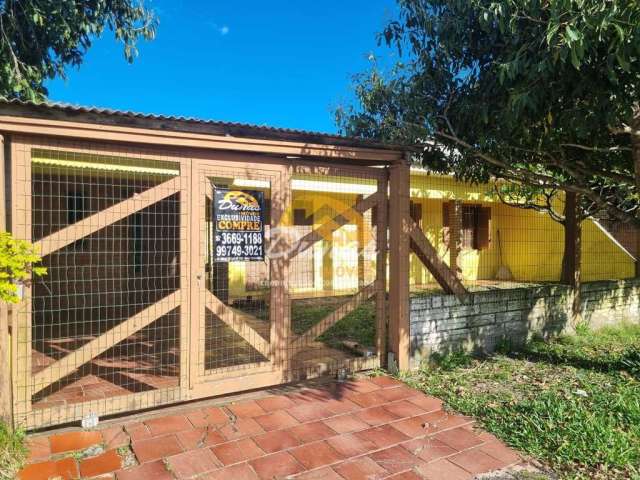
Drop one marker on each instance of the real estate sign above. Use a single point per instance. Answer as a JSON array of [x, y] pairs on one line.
[[238, 217]]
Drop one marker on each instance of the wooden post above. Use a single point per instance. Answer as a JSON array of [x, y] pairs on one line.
[[280, 303], [455, 235], [6, 413], [360, 226], [399, 228], [572, 249], [382, 245]]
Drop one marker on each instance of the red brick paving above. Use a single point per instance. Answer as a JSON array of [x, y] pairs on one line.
[[155, 448], [73, 441], [311, 432], [277, 402], [39, 448], [444, 469], [200, 437], [429, 449], [152, 470], [350, 445], [115, 437], [276, 465], [345, 424], [169, 424], [396, 459], [242, 471], [247, 410], [240, 428], [238, 451], [193, 463], [107, 462], [64, 469], [362, 468], [276, 420], [362, 429], [272, 442], [376, 416], [314, 455]]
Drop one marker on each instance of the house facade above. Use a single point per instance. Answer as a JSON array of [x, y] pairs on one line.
[[154, 294]]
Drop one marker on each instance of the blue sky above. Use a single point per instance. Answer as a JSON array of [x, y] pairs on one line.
[[280, 63]]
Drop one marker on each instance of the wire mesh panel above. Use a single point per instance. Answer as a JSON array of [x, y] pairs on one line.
[[493, 240], [233, 290], [309, 305], [141, 304], [333, 281], [105, 320]]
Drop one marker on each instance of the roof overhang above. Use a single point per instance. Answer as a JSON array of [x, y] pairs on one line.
[[126, 127]]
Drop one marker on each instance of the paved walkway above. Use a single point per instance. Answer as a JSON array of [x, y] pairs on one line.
[[371, 429]]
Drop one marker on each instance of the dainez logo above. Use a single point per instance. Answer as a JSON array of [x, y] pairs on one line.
[[335, 221], [239, 201]]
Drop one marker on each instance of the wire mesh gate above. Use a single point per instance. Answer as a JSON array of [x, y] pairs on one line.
[[136, 312]]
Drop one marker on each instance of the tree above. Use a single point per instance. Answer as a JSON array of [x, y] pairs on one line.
[[541, 93], [40, 38]]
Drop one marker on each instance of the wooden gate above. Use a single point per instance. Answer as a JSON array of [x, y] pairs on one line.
[[134, 311]]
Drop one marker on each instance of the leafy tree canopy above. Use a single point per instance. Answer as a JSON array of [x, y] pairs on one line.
[[542, 93], [39, 38]]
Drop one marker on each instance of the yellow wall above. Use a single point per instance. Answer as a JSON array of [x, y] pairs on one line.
[[532, 243]]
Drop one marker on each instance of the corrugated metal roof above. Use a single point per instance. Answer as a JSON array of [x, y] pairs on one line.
[[181, 123]]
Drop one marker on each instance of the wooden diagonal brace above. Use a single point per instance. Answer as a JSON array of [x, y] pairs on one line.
[[326, 229], [240, 323], [104, 342], [428, 255], [106, 217], [334, 317]]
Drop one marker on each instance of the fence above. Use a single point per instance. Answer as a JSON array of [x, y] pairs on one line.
[[156, 294], [143, 304]]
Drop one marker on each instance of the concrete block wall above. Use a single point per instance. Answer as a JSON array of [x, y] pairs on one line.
[[444, 323]]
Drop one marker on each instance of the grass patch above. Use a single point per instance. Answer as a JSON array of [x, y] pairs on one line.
[[13, 453], [573, 403], [358, 326]]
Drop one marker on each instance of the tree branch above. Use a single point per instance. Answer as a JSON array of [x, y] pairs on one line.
[[542, 180]]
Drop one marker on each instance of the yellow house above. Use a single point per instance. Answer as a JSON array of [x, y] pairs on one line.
[[531, 242], [344, 260]]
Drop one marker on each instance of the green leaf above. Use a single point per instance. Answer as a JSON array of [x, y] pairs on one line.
[[624, 64], [575, 61], [552, 33], [573, 35]]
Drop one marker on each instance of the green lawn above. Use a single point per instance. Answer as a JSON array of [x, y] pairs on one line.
[[12, 452], [572, 403], [358, 326]]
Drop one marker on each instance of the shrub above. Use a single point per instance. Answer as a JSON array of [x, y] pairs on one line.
[[18, 262]]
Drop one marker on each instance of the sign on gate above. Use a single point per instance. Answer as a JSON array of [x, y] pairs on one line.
[[238, 216]]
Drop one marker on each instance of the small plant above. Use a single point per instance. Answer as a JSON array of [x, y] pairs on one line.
[[582, 329], [12, 452], [451, 360], [631, 361], [18, 262], [504, 346]]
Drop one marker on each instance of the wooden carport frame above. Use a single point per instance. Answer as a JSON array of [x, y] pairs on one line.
[[22, 126]]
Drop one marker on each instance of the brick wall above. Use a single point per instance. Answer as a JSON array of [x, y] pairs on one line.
[[442, 323]]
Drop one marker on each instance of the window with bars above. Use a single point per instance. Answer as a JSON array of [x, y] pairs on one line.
[[475, 225]]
